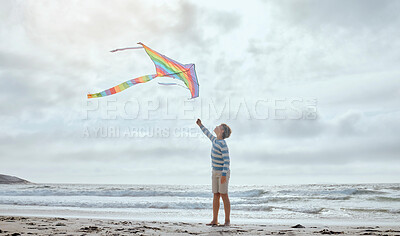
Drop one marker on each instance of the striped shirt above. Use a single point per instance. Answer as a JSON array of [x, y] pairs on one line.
[[219, 152]]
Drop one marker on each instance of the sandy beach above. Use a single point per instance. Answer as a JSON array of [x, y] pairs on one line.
[[16, 225], [83, 209]]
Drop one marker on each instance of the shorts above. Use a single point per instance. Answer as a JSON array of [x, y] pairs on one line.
[[217, 187]]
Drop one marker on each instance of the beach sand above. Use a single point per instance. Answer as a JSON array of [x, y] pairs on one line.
[[16, 225]]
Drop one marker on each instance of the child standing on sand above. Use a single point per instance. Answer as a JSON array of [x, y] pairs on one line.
[[220, 169]]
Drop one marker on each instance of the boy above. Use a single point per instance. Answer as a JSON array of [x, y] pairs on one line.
[[220, 169]]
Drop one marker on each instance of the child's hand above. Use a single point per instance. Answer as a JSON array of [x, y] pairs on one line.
[[198, 122]]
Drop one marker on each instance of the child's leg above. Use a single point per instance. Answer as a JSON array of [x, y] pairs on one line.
[[216, 203], [227, 207]]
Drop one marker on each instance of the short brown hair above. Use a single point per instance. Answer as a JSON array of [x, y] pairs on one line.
[[227, 131]]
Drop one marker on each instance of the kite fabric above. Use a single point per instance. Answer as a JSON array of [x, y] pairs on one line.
[[165, 67]]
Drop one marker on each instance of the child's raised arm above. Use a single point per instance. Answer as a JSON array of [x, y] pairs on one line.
[[205, 130]]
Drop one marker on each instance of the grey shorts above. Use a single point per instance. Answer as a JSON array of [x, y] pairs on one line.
[[217, 187]]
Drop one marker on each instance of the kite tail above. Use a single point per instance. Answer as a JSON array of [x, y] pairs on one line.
[[122, 49], [174, 84], [123, 86]]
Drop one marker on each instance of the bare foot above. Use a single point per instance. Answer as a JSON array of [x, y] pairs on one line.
[[212, 223], [227, 223]]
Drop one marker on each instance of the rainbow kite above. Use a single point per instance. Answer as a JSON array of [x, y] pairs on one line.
[[165, 67]]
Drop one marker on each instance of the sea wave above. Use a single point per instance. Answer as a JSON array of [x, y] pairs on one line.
[[265, 200], [310, 210], [322, 192], [105, 193], [334, 198], [385, 199], [373, 210], [121, 192], [369, 201], [99, 204], [249, 193], [366, 192], [188, 205]]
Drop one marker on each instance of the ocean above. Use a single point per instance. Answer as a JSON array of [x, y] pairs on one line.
[[323, 203]]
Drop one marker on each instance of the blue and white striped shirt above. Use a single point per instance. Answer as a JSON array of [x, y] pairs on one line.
[[219, 152]]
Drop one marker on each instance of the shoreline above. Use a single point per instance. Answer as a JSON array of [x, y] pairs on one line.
[[17, 225], [176, 215]]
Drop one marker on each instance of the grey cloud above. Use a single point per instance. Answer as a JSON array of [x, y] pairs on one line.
[[20, 61], [70, 144], [36, 87], [333, 152], [91, 25], [258, 47], [299, 128], [280, 129], [52, 75], [374, 90], [188, 26], [350, 14], [346, 124], [313, 40], [48, 62], [226, 21], [353, 124]]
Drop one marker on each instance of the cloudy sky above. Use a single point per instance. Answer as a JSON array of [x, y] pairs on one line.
[[310, 89]]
